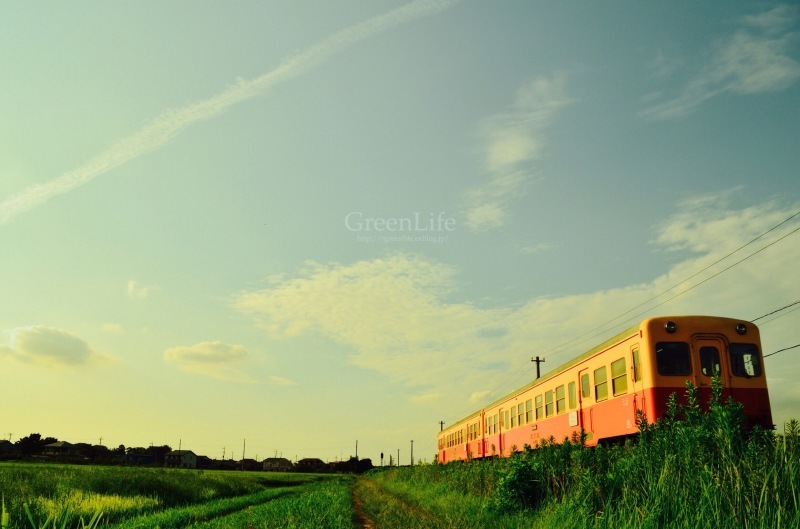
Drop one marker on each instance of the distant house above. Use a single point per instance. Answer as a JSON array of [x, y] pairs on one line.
[[180, 459], [277, 464], [250, 464], [139, 459], [6, 447], [310, 464], [205, 462], [59, 449]]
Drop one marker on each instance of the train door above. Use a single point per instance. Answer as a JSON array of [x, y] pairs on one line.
[[636, 379], [484, 433], [709, 351], [584, 413]]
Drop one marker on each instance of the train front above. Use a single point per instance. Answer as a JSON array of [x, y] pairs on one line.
[[696, 349]]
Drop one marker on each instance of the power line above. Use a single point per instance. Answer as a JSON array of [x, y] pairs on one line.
[[555, 350], [690, 288], [774, 311], [782, 350], [560, 348]]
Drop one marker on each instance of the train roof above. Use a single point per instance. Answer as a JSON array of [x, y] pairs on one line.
[[594, 350]]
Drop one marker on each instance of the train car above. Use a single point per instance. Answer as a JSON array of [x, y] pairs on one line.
[[599, 392]]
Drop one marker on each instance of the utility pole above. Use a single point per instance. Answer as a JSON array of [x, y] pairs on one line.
[[412, 452], [538, 361], [356, 449], [244, 444], [441, 426], [398, 457], [223, 453]]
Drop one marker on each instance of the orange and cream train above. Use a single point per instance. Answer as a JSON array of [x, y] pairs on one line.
[[600, 391]]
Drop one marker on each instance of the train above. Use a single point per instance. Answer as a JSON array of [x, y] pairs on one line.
[[600, 394]]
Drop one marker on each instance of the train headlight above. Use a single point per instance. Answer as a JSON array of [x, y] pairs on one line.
[[741, 328], [670, 327]]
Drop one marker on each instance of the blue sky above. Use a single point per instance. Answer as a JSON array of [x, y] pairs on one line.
[[211, 215]]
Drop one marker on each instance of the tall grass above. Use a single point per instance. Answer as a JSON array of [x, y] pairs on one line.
[[51, 490], [693, 468]]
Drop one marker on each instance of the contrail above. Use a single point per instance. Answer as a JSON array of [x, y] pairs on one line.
[[172, 122]]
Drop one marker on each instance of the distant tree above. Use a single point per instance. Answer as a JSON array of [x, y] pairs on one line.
[[159, 452], [119, 451], [33, 444]]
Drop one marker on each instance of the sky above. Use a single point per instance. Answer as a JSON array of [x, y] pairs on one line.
[[294, 228]]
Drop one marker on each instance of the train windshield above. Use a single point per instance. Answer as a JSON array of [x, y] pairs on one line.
[[745, 360], [673, 358]]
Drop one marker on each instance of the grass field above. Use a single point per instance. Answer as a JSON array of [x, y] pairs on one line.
[[693, 468], [170, 498]]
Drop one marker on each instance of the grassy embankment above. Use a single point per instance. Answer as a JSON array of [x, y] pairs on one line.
[[691, 469]]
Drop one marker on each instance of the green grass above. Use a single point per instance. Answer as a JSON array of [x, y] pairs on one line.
[[694, 468], [133, 497]]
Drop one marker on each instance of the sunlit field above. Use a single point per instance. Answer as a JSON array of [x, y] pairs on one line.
[[693, 468], [44, 495]]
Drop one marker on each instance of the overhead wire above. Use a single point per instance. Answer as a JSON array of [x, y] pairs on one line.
[[782, 350], [559, 349], [774, 311], [555, 349]]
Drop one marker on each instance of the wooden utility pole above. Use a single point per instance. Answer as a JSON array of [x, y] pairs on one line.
[[412, 452], [538, 361]]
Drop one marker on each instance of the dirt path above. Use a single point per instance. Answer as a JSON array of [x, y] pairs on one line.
[[360, 519]]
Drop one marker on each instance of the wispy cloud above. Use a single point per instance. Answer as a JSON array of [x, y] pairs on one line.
[[138, 291], [755, 59], [171, 123], [513, 139], [50, 347], [213, 359]]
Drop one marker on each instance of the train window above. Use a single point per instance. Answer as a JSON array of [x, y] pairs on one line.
[[539, 408], [513, 416], [709, 361], [548, 403], [745, 360], [495, 423], [573, 396], [528, 411], [520, 410], [673, 358], [561, 401], [600, 384], [637, 368], [585, 385], [619, 382], [505, 424]]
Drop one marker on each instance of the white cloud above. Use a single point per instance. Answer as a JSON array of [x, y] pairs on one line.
[[113, 328], [281, 381], [171, 123], [755, 59], [213, 359], [513, 140], [138, 291], [394, 316], [50, 347]]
